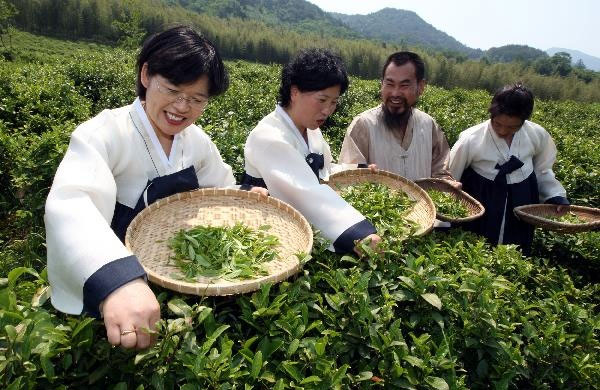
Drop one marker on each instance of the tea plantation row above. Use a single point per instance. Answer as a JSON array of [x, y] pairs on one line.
[[444, 311]]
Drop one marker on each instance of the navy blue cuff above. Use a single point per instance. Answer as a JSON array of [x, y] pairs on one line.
[[107, 279], [362, 166], [345, 242], [561, 200]]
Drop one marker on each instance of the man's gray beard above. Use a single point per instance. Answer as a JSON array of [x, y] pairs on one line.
[[396, 121]]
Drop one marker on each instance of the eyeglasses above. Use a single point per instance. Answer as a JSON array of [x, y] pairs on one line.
[[177, 97]]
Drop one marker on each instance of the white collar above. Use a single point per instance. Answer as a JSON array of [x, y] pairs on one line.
[[167, 161], [305, 147], [501, 145]]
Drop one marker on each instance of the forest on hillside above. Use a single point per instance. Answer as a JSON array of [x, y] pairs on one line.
[[127, 22]]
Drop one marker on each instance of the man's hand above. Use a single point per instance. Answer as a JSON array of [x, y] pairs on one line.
[[129, 312], [454, 183], [373, 168], [260, 190]]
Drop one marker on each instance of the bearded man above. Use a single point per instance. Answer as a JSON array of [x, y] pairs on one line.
[[395, 136]]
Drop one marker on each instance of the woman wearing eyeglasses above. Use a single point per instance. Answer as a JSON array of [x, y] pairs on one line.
[[121, 161], [507, 162], [287, 154]]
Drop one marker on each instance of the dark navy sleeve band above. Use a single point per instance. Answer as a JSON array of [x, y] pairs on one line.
[[107, 279], [358, 231], [362, 166], [559, 200]]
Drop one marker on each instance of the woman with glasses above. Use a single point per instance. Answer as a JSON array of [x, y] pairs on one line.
[[507, 162], [121, 161], [287, 154]]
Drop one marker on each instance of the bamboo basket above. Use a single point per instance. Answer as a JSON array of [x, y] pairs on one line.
[[148, 234], [538, 215], [474, 208], [423, 211]]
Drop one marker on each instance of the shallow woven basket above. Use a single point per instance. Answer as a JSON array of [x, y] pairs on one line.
[[148, 234], [422, 213], [474, 208], [537, 215]]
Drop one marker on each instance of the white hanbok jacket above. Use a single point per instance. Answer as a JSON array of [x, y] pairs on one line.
[[109, 165], [276, 153]]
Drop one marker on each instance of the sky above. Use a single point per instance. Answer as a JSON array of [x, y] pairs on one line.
[[570, 24]]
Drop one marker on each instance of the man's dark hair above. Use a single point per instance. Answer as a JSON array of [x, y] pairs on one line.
[[312, 70], [182, 56], [403, 57], [512, 100]]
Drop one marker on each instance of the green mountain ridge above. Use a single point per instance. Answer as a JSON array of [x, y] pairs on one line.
[[298, 15], [404, 27], [509, 53], [590, 62]]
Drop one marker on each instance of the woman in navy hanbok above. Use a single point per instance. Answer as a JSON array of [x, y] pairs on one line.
[[507, 162]]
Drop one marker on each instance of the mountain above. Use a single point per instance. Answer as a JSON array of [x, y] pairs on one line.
[[404, 27], [511, 53], [298, 15], [590, 62]]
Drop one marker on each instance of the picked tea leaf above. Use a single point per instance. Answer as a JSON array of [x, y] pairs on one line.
[[236, 252], [447, 204]]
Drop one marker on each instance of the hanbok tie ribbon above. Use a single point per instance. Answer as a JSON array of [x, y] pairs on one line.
[[315, 162], [508, 167]]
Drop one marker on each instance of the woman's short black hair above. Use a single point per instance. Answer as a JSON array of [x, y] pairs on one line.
[[312, 70], [512, 100], [403, 57], [182, 56]]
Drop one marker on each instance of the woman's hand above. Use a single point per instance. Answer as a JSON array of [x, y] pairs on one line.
[[129, 312], [260, 190], [562, 209], [372, 240]]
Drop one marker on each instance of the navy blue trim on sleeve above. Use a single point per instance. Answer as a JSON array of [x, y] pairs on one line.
[[252, 181], [345, 242], [559, 200], [107, 279], [362, 166]]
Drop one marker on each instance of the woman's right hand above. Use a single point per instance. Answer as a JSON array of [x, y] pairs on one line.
[[372, 240], [128, 313]]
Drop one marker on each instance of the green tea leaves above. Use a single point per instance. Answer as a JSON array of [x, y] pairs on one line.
[[236, 252], [447, 205]]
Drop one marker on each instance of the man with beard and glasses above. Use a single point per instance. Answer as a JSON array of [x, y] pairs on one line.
[[395, 136]]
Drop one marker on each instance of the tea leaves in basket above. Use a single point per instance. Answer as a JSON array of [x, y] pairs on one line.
[[383, 207], [569, 217], [236, 252], [447, 205]]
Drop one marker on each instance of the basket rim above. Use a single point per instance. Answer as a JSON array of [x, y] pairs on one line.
[[226, 287], [365, 172], [459, 193], [566, 227]]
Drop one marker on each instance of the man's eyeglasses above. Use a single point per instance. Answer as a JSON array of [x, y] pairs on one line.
[[177, 97]]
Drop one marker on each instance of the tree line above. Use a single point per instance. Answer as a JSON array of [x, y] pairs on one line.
[[127, 22]]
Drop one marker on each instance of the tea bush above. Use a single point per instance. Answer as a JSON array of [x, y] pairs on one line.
[[444, 311]]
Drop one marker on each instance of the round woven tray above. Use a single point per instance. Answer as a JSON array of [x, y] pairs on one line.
[[422, 213], [537, 215], [148, 234], [474, 208]]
